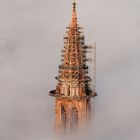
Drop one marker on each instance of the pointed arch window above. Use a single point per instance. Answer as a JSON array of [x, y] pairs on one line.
[[63, 116]]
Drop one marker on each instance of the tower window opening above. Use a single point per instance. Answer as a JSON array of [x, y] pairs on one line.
[[63, 116]]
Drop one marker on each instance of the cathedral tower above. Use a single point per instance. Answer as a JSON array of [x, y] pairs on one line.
[[73, 90]]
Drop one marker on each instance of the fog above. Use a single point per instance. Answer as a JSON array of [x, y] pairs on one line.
[[31, 38]]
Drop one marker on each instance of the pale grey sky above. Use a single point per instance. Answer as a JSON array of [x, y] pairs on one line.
[[32, 31]]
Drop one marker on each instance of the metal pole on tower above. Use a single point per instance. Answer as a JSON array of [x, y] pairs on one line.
[[94, 67]]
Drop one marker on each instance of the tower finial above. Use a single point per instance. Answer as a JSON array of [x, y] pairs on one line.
[[74, 18], [74, 1], [74, 5]]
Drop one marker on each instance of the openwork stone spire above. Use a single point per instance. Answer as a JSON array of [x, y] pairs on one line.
[[73, 91]]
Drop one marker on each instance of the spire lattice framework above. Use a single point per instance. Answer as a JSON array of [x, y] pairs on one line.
[[73, 91]]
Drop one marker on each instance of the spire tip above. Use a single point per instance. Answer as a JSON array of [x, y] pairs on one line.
[[74, 5]]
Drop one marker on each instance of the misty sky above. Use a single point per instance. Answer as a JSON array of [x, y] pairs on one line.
[[31, 38]]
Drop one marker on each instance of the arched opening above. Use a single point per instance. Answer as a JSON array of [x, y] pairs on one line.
[[63, 116], [74, 118]]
